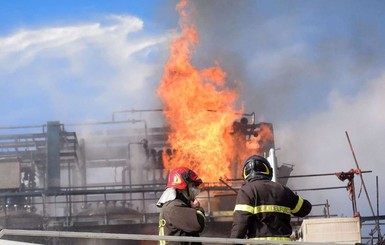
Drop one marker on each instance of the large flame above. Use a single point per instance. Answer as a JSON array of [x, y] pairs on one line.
[[200, 110]]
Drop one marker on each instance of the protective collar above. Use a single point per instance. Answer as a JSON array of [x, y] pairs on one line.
[[168, 195]]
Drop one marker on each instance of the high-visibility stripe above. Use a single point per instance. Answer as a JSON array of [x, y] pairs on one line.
[[267, 172], [271, 208], [162, 223], [200, 213], [272, 238], [298, 206], [262, 209], [244, 207]]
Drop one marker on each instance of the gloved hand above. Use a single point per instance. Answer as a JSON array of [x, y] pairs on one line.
[[195, 204]]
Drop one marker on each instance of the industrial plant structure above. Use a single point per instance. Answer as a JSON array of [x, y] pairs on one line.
[[107, 177]]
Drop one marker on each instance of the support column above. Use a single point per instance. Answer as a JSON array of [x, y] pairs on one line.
[[53, 155]]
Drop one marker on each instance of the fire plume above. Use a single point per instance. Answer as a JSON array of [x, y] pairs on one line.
[[199, 109]]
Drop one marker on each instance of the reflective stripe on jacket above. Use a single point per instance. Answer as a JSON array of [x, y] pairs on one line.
[[177, 218], [263, 210]]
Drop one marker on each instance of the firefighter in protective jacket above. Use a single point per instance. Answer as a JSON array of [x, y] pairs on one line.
[[181, 214], [263, 207]]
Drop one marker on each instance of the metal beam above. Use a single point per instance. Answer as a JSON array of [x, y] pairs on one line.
[[141, 237]]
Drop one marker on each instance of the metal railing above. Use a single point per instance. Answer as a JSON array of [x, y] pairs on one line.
[[141, 237]]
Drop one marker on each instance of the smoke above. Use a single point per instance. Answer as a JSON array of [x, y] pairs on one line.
[[318, 144], [288, 56], [314, 70]]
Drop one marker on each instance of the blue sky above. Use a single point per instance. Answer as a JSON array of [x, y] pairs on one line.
[[42, 12], [315, 69]]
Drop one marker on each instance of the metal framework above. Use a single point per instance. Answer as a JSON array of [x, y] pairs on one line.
[[57, 191]]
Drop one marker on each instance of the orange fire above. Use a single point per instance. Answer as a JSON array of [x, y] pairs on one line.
[[199, 109]]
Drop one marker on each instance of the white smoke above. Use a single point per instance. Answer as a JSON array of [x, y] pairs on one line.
[[318, 144]]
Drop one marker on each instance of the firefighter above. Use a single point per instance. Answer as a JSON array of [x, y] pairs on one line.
[[181, 214], [263, 208]]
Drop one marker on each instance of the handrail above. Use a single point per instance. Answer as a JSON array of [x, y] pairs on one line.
[[142, 237]]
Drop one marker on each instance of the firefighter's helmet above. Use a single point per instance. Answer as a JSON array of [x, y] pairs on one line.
[[257, 167], [180, 177]]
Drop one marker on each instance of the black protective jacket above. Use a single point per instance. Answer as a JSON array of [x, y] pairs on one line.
[[263, 210], [178, 218]]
